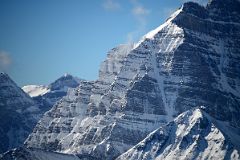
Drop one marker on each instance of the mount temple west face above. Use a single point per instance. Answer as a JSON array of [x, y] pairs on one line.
[[191, 60]]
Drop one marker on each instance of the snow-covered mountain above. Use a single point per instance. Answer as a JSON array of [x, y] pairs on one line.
[[192, 135], [193, 59], [18, 114], [47, 96], [64, 82]]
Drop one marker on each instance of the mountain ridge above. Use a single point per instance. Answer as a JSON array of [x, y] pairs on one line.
[[192, 135], [47, 96], [167, 73], [18, 112], [192, 60]]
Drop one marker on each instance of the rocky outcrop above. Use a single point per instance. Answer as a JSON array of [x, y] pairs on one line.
[[192, 135]]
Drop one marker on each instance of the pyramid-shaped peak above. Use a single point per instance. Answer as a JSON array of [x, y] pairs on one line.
[[67, 80], [67, 75], [4, 78], [3, 74]]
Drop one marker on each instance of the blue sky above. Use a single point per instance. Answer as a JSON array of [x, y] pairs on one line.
[[40, 40]]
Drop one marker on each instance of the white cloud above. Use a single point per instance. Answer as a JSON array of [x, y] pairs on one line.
[[140, 14], [5, 61], [140, 11], [168, 11], [111, 5]]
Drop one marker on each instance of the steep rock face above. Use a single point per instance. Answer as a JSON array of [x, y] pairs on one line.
[[112, 65], [192, 135], [211, 53], [190, 60], [18, 114]]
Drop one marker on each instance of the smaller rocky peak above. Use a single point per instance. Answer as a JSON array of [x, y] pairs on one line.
[[4, 76], [193, 115], [67, 75], [192, 133], [65, 81], [6, 81]]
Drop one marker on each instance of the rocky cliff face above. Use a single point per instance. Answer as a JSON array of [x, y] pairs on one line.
[[18, 114], [191, 60], [192, 135]]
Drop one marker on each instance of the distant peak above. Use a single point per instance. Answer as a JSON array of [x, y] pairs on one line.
[[65, 81], [67, 75], [3, 74]]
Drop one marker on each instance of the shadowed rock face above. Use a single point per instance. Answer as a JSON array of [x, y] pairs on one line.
[[211, 46], [18, 114], [191, 60]]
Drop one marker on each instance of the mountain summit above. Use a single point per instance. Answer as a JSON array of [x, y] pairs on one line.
[[191, 60], [47, 96], [192, 135]]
